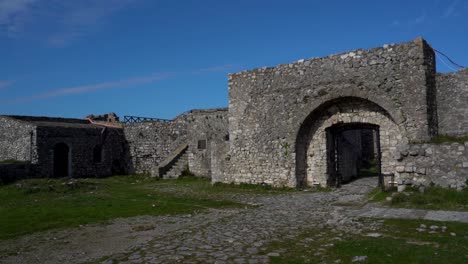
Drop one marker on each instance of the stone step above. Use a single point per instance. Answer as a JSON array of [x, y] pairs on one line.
[[177, 168]]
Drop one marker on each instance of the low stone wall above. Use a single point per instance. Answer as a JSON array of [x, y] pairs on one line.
[[13, 172], [445, 165]]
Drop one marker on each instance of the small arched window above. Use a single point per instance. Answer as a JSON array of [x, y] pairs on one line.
[[97, 154]]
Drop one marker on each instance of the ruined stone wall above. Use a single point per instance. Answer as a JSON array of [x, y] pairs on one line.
[[445, 165], [81, 142], [452, 103], [151, 142], [210, 126], [268, 105], [17, 140]]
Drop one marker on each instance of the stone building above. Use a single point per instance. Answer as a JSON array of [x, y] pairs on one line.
[[58, 147], [321, 121]]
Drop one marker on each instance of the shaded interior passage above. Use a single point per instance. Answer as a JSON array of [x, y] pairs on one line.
[[61, 160], [353, 152]]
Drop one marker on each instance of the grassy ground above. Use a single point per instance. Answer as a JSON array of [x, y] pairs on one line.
[[40, 204], [400, 243], [433, 198]]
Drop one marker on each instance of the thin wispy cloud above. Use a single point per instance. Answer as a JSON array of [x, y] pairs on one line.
[[451, 9], [220, 68], [396, 23], [84, 17], [420, 19], [438, 11], [13, 15], [56, 22], [66, 91], [4, 84], [132, 82]]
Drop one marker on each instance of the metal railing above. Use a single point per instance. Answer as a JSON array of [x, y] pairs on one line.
[[139, 119]]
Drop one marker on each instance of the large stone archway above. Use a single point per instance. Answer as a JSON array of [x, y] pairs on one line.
[[312, 165]]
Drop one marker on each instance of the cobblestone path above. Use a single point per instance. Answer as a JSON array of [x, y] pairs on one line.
[[213, 236], [239, 236]]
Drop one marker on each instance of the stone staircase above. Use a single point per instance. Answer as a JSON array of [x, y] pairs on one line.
[[174, 164], [176, 169]]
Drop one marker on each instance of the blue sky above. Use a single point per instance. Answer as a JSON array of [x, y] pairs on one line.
[[159, 58]]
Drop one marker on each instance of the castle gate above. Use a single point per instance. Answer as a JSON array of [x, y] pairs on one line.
[[353, 151], [344, 139], [279, 116]]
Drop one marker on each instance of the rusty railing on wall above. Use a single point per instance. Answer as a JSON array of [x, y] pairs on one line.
[[139, 119]]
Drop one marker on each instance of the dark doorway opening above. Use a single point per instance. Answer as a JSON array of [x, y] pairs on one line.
[[97, 154], [61, 160], [353, 151], [117, 168]]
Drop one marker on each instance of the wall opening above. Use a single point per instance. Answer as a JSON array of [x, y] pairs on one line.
[[97, 154], [332, 129], [117, 168], [353, 151], [201, 145], [61, 160]]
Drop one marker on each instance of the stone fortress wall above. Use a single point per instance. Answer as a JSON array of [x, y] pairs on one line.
[[207, 129], [134, 148], [151, 142], [452, 103], [442, 164], [277, 115], [16, 144], [271, 109], [275, 128], [16, 140]]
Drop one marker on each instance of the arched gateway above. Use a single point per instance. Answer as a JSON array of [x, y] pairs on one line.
[[343, 139], [323, 120]]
